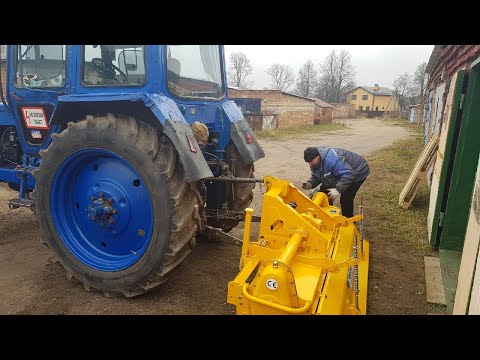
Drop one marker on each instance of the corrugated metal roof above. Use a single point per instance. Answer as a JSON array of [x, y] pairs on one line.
[[284, 93], [302, 97], [322, 103], [272, 90]]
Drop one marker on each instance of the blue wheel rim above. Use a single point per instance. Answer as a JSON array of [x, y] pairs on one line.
[[101, 209]]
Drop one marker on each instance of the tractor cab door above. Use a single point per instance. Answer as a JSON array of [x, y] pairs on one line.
[[37, 79]]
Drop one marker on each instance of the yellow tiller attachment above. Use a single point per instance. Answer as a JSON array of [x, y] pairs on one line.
[[308, 258]]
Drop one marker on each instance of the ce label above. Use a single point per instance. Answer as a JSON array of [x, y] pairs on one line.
[[272, 284]]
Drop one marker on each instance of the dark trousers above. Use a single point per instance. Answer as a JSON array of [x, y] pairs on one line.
[[347, 197]]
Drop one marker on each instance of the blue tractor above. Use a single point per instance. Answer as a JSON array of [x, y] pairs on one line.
[[124, 153]]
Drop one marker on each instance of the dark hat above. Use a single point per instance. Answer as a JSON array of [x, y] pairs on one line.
[[310, 153]]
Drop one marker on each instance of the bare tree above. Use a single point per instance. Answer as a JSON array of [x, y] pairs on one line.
[[281, 76], [345, 74], [337, 76], [419, 81], [238, 71], [328, 81], [403, 89], [324, 88], [307, 80]]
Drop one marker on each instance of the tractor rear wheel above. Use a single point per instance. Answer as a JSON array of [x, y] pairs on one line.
[[113, 204]]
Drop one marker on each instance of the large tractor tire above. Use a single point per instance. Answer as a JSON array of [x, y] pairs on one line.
[[114, 206], [242, 192]]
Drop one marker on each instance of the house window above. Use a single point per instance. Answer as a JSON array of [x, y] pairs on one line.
[[353, 97], [360, 108], [383, 107], [368, 108], [376, 109], [364, 97]]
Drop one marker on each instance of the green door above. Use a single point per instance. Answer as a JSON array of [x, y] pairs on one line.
[[464, 167], [457, 179], [448, 158]]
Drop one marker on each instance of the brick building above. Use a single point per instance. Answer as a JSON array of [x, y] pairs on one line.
[[323, 112], [291, 110]]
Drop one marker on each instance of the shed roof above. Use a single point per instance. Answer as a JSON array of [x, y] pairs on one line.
[[322, 103], [299, 96], [272, 90]]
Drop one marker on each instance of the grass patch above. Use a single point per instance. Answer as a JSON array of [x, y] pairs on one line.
[[390, 169], [400, 122], [299, 130]]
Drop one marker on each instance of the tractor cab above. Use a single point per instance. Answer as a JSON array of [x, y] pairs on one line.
[[191, 71]]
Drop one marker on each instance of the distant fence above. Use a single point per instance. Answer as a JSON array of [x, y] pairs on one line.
[[343, 111]]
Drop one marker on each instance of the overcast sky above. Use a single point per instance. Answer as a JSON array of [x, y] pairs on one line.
[[374, 64]]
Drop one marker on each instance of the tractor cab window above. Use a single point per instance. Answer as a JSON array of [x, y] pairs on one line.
[[113, 65], [194, 71], [40, 66]]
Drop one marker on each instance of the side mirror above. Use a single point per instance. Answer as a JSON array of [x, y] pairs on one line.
[[131, 67], [128, 60]]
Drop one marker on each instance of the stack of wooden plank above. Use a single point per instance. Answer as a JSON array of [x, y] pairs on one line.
[[423, 163]]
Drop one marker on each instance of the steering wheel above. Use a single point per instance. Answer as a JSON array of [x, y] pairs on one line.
[[108, 71]]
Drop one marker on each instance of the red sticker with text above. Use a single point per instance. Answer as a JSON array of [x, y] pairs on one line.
[[34, 117]]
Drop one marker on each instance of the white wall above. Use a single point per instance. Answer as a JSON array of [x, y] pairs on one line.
[[438, 108], [434, 179]]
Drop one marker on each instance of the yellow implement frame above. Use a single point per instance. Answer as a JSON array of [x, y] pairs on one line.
[[308, 258]]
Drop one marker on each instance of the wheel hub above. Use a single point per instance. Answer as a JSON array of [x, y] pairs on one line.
[[101, 209]]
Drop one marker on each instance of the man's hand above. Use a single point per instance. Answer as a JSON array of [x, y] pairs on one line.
[[333, 194], [307, 185]]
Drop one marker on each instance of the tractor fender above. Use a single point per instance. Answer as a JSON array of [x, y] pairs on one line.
[[247, 145], [160, 109], [181, 135]]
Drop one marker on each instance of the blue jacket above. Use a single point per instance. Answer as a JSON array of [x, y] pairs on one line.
[[339, 168]]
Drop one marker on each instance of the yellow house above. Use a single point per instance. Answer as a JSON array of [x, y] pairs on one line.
[[373, 99]]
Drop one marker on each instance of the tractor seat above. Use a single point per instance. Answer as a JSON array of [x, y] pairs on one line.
[[90, 75]]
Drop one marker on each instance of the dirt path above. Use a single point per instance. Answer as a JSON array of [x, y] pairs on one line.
[[284, 157], [31, 284]]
